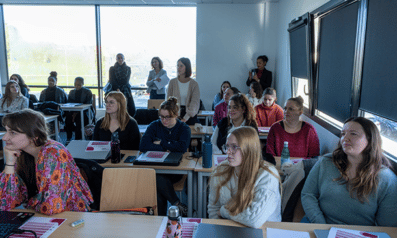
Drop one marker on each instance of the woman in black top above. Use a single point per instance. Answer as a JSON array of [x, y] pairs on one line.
[[53, 92], [262, 76], [119, 80], [73, 119], [117, 119]]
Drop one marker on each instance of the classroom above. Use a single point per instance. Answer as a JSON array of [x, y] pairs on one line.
[[229, 36]]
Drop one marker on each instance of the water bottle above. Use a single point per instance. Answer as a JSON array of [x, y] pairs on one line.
[[174, 223], [115, 147], [207, 152], [285, 153]]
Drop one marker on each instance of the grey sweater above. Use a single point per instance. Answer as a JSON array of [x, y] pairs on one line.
[[327, 201]]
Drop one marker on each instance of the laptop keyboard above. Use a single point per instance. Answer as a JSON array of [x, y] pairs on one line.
[[7, 228]]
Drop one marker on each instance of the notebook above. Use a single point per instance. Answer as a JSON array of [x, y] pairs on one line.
[[211, 230], [173, 159], [77, 149], [12, 220]]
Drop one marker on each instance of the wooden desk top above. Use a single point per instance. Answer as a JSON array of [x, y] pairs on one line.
[[120, 225], [186, 163], [206, 130]]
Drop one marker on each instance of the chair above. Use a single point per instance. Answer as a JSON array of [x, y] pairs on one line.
[[124, 188], [179, 186], [92, 172], [154, 103], [146, 116]]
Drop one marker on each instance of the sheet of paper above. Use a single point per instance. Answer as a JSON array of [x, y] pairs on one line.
[[164, 81], [43, 226], [188, 226], [98, 146], [347, 233], [219, 158], [264, 129], [211, 113], [153, 156], [276, 233]]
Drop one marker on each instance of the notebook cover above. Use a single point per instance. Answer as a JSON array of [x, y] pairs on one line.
[[219, 231]]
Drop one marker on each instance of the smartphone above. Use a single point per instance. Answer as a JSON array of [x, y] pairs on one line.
[[130, 159], [253, 72]]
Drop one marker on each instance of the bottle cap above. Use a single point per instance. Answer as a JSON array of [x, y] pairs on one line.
[[207, 138], [173, 212], [285, 143]]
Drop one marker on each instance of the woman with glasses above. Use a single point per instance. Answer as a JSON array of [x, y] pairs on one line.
[[302, 137], [245, 188], [154, 75], [167, 134], [117, 119], [240, 113], [13, 100]]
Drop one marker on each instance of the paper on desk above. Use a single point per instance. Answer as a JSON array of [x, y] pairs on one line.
[[211, 113], [43, 226], [219, 158], [98, 146], [188, 226], [164, 81], [347, 233], [276, 233], [153, 156], [264, 129]]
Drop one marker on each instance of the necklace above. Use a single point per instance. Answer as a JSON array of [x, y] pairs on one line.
[[170, 130]]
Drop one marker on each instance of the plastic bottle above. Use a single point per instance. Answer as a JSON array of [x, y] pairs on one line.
[[174, 223], [115, 147], [285, 153], [207, 152]]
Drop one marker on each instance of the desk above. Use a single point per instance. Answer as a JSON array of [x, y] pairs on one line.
[[207, 115], [201, 134], [48, 120], [121, 225], [186, 167], [81, 109]]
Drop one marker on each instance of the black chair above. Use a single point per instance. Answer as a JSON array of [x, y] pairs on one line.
[[92, 172], [146, 116]]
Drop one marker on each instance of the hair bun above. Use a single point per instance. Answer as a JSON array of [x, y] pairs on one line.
[[300, 99], [54, 74], [173, 100]]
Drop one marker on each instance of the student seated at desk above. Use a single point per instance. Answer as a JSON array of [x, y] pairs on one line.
[[117, 119], [219, 97], [244, 188], [22, 85], [13, 100], [268, 112], [240, 113], [302, 137], [39, 171], [354, 185], [221, 108], [53, 92], [167, 134], [255, 94], [78, 95]]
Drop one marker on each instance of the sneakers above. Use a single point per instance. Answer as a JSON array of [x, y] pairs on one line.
[[182, 208]]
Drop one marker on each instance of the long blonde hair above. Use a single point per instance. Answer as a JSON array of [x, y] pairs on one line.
[[248, 140], [122, 115]]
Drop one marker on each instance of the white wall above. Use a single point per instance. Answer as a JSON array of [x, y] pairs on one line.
[[288, 10], [229, 39]]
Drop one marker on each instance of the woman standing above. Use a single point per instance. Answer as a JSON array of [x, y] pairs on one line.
[[354, 185], [119, 80], [187, 91], [240, 113], [262, 75], [244, 188], [154, 75], [219, 96], [117, 119], [167, 134], [22, 85], [53, 92], [268, 112], [38, 171], [13, 100], [302, 137]]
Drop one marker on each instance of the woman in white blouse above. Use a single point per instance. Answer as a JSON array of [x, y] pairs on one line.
[[13, 100]]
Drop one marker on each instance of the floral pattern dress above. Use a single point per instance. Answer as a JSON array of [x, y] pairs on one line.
[[59, 182]]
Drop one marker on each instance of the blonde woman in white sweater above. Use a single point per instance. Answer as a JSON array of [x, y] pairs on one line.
[[187, 91], [245, 188]]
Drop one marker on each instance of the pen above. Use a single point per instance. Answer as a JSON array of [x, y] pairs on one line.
[[77, 223]]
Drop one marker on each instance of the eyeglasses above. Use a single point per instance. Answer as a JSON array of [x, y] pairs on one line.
[[165, 118], [233, 148]]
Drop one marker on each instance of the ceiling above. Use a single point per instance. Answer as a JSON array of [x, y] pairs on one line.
[[135, 2]]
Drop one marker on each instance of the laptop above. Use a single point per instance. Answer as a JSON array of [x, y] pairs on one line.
[[173, 159], [77, 149], [10, 221], [211, 230]]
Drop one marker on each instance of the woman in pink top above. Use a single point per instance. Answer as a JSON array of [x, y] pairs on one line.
[[221, 108], [268, 112], [301, 136]]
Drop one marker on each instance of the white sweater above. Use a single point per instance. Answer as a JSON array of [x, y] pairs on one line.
[[265, 206]]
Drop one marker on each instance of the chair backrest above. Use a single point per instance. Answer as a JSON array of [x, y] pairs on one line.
[[125, 188], [154, 103], [146, 116], [92, 172]]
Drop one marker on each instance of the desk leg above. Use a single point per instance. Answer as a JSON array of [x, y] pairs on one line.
[[205, 180], [57, 138], [195, 192], [82, 123], [190, 193], [200, 195]]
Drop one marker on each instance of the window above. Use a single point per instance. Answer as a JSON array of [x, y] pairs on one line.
[[300, 87], [41, 39], [141, 33]]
